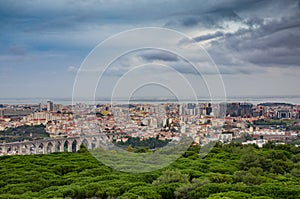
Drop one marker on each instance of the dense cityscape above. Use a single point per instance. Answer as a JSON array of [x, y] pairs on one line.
[[204, 122]]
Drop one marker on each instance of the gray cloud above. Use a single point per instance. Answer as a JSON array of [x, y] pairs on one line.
[[264, 42], [159, 56], [210, 14], [274, 42], [206, 19], [208, 36]]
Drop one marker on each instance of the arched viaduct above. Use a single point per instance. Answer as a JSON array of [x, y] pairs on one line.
[[70, 144]]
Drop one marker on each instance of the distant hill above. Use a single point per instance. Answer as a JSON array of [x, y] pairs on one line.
[[275, 104]]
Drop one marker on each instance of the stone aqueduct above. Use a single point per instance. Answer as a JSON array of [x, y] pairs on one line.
[[71, 144]]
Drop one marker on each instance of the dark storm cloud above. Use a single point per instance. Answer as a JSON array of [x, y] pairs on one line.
[[212, 14], [159, 56], [207, 19], [208, 36], [271, 41]]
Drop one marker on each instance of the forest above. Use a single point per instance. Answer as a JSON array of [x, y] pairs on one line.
[[227, 171]]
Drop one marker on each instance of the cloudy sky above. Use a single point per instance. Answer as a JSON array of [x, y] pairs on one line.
[[254, 43]]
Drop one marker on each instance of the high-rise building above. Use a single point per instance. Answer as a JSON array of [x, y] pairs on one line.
[[50, 106], [40, 108], [208, 109]]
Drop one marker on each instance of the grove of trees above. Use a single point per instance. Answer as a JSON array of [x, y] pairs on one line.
[[228, 171]]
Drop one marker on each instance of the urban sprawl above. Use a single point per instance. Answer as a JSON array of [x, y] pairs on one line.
[[226, 122]]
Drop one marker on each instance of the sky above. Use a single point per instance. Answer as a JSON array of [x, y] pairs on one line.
[[253, 45]]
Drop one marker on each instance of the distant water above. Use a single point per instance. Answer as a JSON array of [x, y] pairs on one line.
[[68, 101]]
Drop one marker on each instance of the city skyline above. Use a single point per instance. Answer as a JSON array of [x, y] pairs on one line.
[[255, 44]]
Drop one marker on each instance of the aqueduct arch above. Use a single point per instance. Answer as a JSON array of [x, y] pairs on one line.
[[71, 144]]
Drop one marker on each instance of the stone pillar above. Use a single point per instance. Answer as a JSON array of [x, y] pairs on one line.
[[70, 142], [21, 149], [89, 143], [56, 148], [61, 148], [36, 149], [4, 150], [27, 149], [53, 147], [78, 143], [45, 147]]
